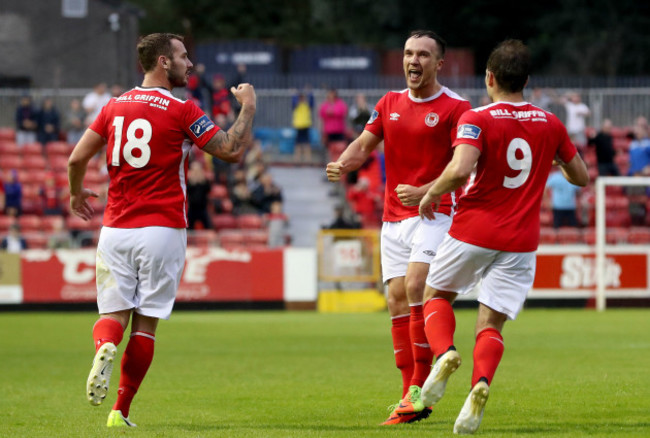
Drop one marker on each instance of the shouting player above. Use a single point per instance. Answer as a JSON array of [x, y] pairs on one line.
[[508, 148], [141, 249], [418, 126]]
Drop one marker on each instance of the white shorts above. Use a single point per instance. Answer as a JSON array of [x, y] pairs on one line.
[[140, 269], [410, 240], [506, 277]]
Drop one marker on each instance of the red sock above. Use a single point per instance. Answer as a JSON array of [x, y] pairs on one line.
[[422, 355], [402, 349], [488, 351], [107, 330], [439, 325], [135, 363]]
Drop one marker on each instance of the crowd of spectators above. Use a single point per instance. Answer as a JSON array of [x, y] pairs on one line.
[[220, 193]]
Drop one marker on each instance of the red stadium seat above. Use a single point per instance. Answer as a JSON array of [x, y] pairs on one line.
[[31, 162], [8, 162], [218, 191], [8, 134], [58, 148], [75, 223], [569, 235], [49, 223], [30, 222], [639, 235], [36, 240], [250, 221], [230, 237], [36, 176], [221, 221], [589, 235], [58, 163], [8, 148], [95, 177], [547, 236], [6, 222], [617, 218], [201, 238], [32, 149], [616, 235], [256, 237]]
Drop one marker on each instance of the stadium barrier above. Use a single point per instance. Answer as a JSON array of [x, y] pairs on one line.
[[285, 276], [343, 276]]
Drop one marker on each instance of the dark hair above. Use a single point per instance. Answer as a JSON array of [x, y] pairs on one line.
[[442, 44], [154, 45], [510, 63]]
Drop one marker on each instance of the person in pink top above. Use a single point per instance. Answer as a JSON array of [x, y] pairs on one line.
[[506, 149], [418, 127], [141, 250], [333, 113]]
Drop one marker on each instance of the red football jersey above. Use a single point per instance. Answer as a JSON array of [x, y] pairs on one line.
[[418, 134], [149, 133], [518, 142]]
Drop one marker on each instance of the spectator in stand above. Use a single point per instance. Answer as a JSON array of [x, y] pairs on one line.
[[563, 200], [277, 223], [365, 203], [13, 242], [203, 92], [240, 77], [333, 114], [59, 237], [13, 194], [94, 101], [341, 222], [577, 113], [26, 121], [303, 106], [49, 123], [51, 196], [116, 90], [639, 166], [221, 98], [74, 122], [540, 99], [240, 193], [266, 193], [605, 152], [359, 114], [198, 190]]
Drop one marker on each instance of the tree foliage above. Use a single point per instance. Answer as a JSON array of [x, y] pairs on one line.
[[568, 37]]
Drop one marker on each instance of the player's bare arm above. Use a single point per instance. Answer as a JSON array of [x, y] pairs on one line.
[[230, 145], [575, 171], [89, 145], [353, 157], [410, 195], [453, 177]]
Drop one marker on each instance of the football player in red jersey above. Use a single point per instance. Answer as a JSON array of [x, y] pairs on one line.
[[418, 126], [506, 149], [141, 248]]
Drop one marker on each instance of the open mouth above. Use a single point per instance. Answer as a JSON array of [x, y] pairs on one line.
[[415, 75]]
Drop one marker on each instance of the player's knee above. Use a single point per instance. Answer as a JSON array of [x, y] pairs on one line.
[[397, 305]]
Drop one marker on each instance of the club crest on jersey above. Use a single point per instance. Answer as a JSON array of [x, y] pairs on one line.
[[431, 119], [373, 117], [468, 131], [202, 125]]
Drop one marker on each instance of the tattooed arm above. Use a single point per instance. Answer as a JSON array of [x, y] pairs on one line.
[[230, 145]]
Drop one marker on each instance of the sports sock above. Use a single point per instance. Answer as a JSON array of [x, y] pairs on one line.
[[135, 363], [107, 330], [439, 325], [488, 351], [402, 349], [422, 355]]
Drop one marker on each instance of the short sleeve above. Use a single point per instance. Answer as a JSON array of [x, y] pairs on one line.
[[470, 130], [197, 125], [374, 124]]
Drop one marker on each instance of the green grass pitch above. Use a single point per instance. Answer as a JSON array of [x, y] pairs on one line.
[[564, 373]]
